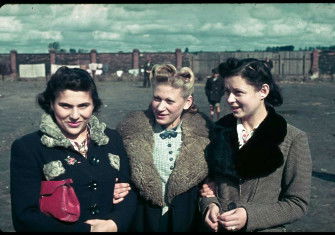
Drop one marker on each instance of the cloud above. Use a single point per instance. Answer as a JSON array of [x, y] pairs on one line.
[[266, 12], [82, 17], [98, 35], [162, 27], [10, 24], [129, 11], [210, 27], [14, 10], [321, 30], [248, 28], [321, 13], [7, 37], [38, 35]]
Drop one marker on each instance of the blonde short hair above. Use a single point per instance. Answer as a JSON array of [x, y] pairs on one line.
[[168, 74]]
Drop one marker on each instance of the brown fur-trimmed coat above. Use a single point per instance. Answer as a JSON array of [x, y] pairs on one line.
[[190, 167]]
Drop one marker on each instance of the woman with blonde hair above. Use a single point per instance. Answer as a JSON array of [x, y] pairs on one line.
[[165, 145]]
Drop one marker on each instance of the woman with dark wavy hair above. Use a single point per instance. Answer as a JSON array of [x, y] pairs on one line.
[[259, 165], [71, 143]]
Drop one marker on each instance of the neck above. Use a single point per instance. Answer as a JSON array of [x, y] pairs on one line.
[[252, 122], [174, 124]]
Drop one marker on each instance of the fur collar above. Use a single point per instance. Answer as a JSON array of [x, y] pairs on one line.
[[53, 137], [191, 167], [261, 155]]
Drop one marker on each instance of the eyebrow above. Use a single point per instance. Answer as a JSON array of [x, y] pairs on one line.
[[64, 103]]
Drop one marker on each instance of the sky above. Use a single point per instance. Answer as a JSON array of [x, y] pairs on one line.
[[29, 28]]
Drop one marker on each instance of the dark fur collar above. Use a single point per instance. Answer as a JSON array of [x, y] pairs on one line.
[[261, 155], [191, 167]]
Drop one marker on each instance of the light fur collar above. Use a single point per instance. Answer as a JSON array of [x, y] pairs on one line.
[[53, 136]]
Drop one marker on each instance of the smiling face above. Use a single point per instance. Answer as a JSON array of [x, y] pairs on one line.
[[245, 100], [72, 111], [168, 104]]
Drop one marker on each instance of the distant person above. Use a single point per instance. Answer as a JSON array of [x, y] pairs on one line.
[[165, 145], [259, 164], [71, 143], [269, 63], [147, 70], [214, 90]]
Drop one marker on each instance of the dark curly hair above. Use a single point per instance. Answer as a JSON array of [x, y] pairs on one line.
[[256, 72], [68, 79]]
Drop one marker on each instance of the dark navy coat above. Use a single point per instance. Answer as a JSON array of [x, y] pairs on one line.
[[93, 178]]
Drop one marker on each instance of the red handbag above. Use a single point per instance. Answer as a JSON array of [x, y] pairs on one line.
[[58, 199]]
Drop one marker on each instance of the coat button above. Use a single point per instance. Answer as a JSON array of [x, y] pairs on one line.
[[93, 185], [94, 209], [170, 152], [232, 206], [169, 145], [94, 161], [171, 167], [171, 159]]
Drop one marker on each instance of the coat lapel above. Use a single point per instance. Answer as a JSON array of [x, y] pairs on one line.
[[191, 168], [137, 134], [261, 155]]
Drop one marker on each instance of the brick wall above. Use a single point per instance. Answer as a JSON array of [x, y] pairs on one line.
[[287, 65]]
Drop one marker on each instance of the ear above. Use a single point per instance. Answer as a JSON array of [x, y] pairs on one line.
[[264, 91], [188, 102]]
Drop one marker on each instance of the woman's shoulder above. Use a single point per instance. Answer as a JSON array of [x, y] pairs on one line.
[[135, 121], [134, 115], [30, 137], [293, 131], [112, 133], [28, 142], [198, 123]]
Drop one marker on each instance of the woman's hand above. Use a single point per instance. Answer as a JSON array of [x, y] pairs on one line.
[[211, 218], [208, 189], [234, 219], [99, 225], [120, 191]]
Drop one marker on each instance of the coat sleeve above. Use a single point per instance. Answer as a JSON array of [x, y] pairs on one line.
[[124, 211], [25, 180], [204, 202], [295, 190], [207, 88]]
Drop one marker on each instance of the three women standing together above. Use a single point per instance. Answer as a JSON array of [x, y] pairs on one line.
[[259, 166]]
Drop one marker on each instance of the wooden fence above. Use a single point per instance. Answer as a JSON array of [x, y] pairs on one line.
[[286, 64]]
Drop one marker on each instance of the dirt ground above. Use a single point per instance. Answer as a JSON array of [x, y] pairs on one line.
[[309, 106]]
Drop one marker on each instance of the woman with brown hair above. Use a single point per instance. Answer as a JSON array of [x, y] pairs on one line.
[[71, 143], [260, 164]]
